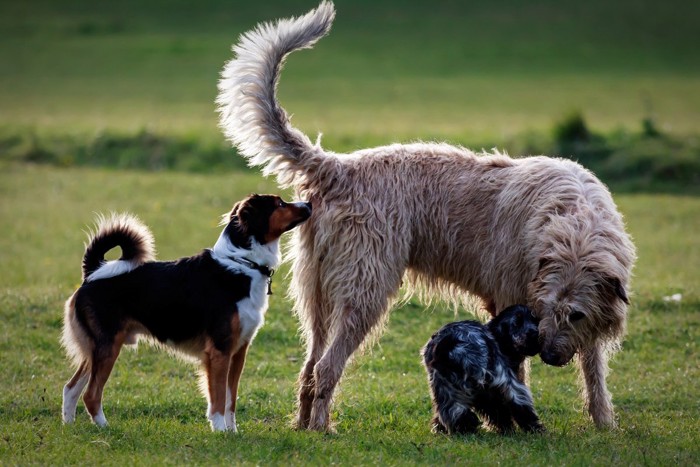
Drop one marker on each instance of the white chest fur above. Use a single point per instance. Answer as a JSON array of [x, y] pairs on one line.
[[251, 310]]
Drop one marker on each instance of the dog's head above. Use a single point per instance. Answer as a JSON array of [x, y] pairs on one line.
[[579, 293], [515, 330], [264, 218]]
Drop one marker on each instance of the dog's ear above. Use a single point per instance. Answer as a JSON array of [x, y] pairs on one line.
[[242, 210], [227, 217], [616, 285]]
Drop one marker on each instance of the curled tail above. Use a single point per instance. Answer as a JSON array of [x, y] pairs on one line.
[[118, 230], [250, 114]]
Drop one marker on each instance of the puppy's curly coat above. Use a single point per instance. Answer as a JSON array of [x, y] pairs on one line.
[[540, 231], [472, 369]]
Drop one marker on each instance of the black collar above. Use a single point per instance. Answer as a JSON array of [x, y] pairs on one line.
[[264, 270]]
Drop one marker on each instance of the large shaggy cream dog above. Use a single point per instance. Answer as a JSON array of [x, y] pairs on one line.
[[537, 231]]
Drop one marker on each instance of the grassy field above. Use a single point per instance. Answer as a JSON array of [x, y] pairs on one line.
[[468, 72], [157, 416]]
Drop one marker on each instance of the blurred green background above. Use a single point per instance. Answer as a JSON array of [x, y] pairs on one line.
[[79, 78]]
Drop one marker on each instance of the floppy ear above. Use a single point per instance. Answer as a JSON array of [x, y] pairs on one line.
[[227, 217], [620, 291], [243, 211]]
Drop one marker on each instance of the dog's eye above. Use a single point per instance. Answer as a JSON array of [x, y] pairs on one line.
[[576, 316], [280, 204]]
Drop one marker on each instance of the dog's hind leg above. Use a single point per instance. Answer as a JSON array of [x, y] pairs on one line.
[[313, 310], [307, 382], [234, 377], [104, 357], [496, 412], [72, 391], [350, 330], [593, 364], [452, 407]]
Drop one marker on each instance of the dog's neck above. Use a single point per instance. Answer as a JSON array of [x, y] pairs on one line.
[[256, 256]]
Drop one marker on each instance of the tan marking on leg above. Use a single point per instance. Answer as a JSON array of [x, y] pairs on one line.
[[103, 362], [216, 365]]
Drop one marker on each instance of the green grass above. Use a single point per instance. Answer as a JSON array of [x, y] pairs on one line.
[[157, 415]]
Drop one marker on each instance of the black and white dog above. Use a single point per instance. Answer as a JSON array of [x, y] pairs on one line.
[[473, 367], [208, 306]]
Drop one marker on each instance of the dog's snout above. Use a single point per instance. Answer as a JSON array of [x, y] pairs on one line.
[[307, 207], [304, 209], [554, 359]]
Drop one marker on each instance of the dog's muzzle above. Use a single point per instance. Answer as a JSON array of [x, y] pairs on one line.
[[305, 209], [553, 358]]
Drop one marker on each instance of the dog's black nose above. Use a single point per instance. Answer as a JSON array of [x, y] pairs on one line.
[[553, 359], [307, 208]]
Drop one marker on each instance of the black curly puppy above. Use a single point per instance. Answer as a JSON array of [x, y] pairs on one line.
[[473, 367]]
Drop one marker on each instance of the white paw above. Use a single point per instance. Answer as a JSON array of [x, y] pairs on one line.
[[231, 422], [217, 421], [70, 402], [100, 419]]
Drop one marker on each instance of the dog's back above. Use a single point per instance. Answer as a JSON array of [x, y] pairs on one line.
[[174, 302], [462, 350]]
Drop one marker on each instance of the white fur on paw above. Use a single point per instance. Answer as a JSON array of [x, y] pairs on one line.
[[70, 400], [217, 421], [231, 422], [100, 419]]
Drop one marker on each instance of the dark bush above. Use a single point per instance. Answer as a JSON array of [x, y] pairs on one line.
[[571, 129]]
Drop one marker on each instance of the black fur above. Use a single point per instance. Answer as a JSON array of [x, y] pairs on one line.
[[472, 370], [176, 300], [128, 240]]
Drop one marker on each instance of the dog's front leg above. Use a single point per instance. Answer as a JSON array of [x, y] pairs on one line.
[[593, 363], [234, 377], [216, 364]]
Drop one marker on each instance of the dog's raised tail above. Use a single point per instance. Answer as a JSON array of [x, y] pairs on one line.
[[117, 230], [250, 114]]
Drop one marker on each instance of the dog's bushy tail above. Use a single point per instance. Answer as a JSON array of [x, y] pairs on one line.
[[117, 230], [250, 114]]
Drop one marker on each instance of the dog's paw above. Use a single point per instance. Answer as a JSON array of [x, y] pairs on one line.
[[100, 419], [231, 426], [217, 422]]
